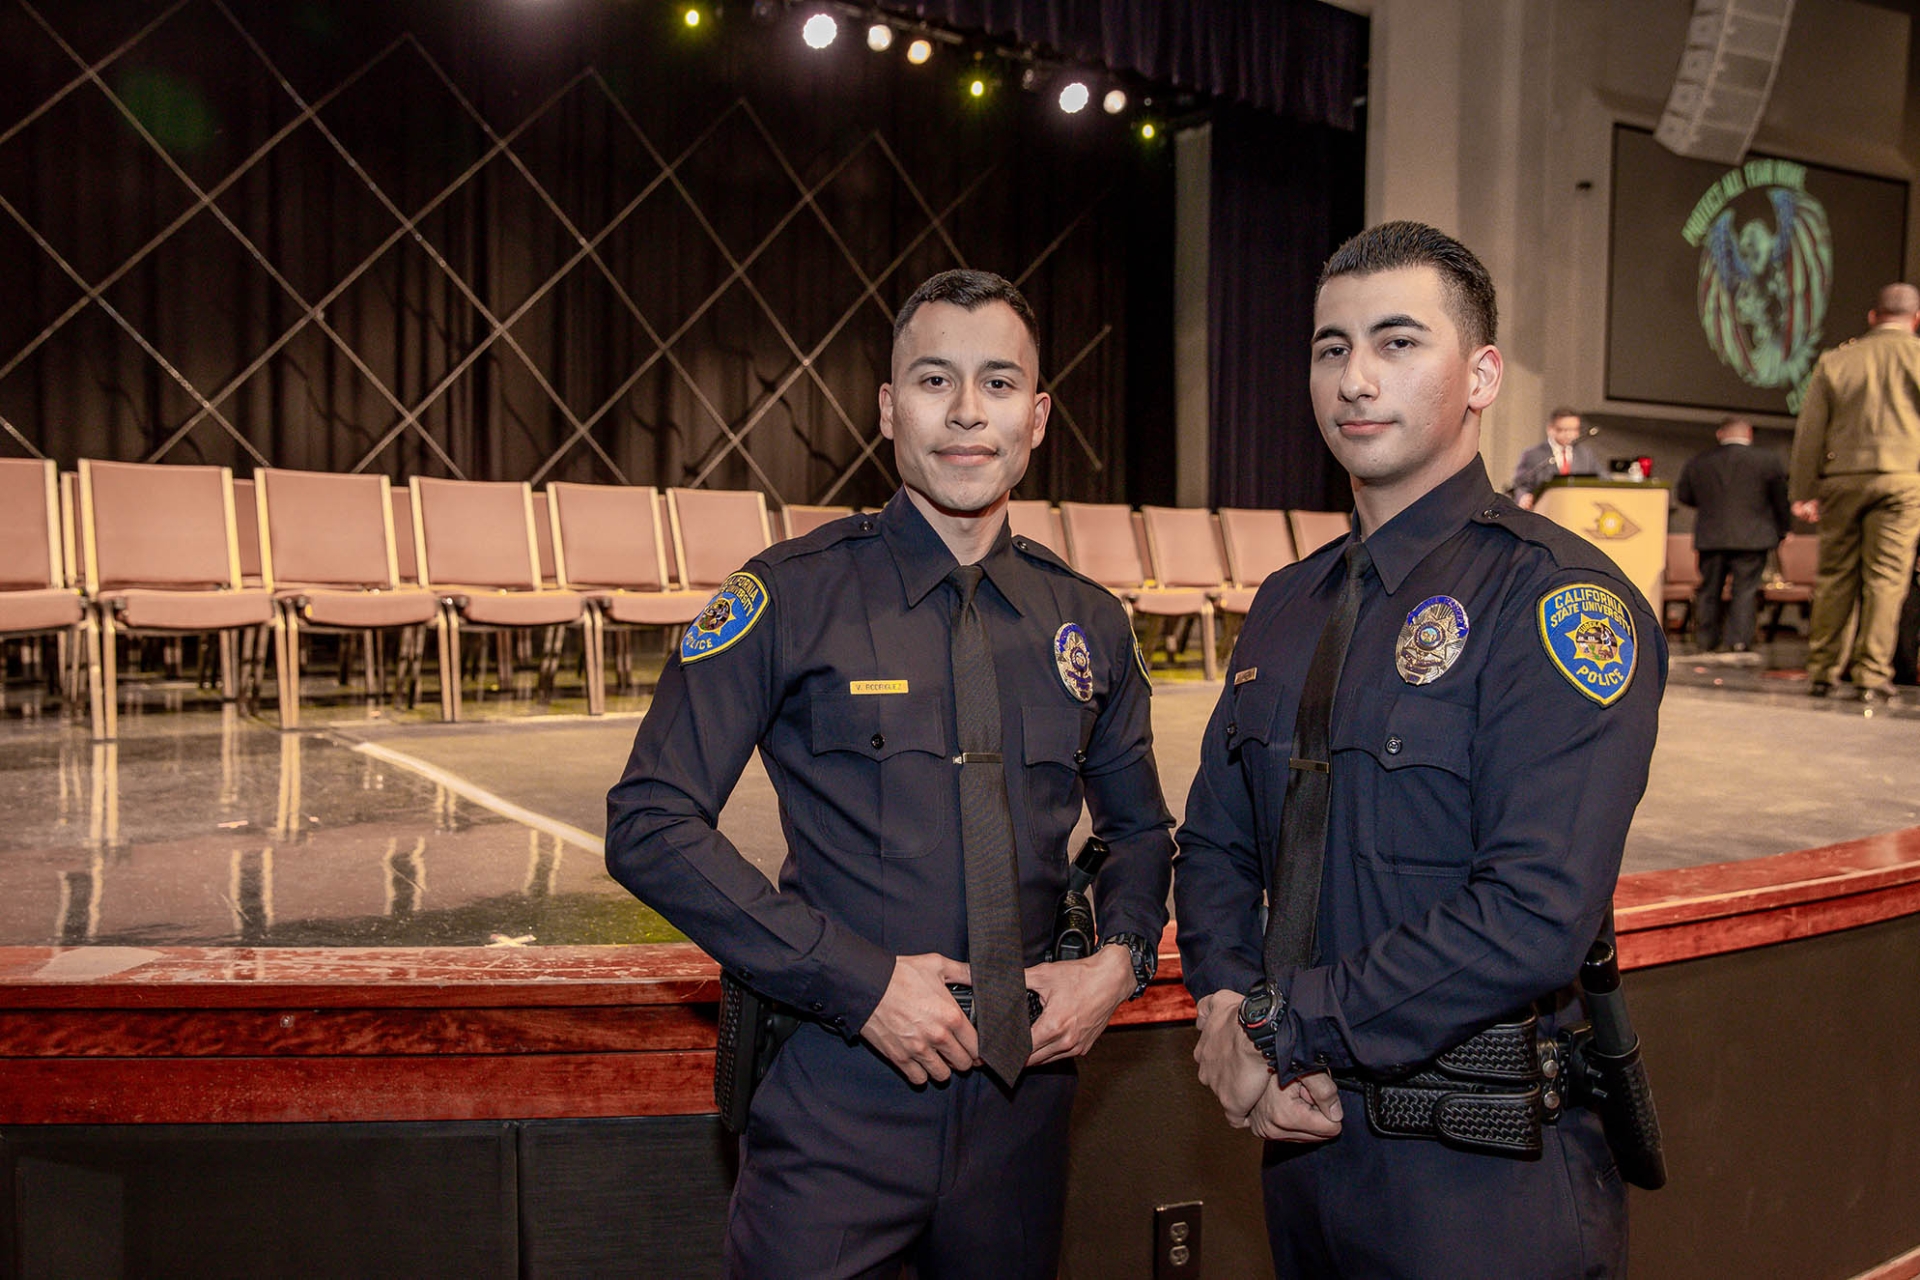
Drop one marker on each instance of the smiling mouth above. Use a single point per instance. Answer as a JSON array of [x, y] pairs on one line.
[[967, 457], [1363, 426]]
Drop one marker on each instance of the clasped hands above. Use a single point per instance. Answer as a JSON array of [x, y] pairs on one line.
[[921, 1031], [1305, 1110]]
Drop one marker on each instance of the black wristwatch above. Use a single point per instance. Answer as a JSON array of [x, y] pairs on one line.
[[1144, 955], [1260, 1015]]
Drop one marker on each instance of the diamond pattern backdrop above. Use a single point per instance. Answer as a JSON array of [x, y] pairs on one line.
[[469, 240]]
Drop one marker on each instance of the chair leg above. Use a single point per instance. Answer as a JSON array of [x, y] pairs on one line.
[[101, 675], [287, 650], [503, 658], [596, 671], [449, 666], [1209, 660]]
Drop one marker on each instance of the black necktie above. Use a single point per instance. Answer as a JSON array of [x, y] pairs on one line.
[[986, 839], [1293, 907]]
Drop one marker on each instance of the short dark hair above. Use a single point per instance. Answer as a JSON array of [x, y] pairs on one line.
[[1563, 412], [969, 290], [1393, 245]]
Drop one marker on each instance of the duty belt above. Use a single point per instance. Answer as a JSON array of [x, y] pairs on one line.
[[1491, 1092]]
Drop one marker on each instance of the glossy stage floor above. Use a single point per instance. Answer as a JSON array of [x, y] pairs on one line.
[[206, 827]]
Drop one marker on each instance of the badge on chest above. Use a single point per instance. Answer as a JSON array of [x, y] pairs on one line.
[[1431, 640], [1074, 659]]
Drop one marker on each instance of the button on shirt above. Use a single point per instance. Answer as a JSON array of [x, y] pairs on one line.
[[1477, 821], [867, 781]]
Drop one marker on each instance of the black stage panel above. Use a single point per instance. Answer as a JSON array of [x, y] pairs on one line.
[[1787, 1092], [215, 1201]]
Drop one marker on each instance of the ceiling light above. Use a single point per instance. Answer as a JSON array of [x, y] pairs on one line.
[[919, 51], [820, 31], [693, 17], [1074, 97], [978, 87], [879, 37], [1146, 131], [1115, 102]]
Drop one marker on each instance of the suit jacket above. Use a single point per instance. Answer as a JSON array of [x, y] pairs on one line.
[[1861, 415], [1741, 493], [1536, 466]]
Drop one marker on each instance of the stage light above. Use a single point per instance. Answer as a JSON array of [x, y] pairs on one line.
[[977, 87], [692, 17], [879, 37], [919, 51], [820, 31], [1147, 131], [1115, 102], [1074, 98]]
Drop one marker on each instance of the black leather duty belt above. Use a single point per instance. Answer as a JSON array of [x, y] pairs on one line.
[[1491, 1092]]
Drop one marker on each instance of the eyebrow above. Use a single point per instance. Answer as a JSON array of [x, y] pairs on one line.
[[986, 366], [1384, 323]]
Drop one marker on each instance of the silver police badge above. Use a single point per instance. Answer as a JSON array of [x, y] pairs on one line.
[[1074, 659], [1431, 640]]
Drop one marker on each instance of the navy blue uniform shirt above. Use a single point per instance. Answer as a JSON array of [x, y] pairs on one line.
[[844, 682], [1477, 820]]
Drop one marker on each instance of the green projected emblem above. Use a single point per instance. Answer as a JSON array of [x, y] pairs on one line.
[[1764, 281]]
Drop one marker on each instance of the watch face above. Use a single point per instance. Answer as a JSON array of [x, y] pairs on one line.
[[1256, 1008]]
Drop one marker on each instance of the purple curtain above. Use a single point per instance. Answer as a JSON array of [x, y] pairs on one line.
[[1284, 196]]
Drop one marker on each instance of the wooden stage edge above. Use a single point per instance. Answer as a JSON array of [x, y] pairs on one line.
[[122, 1035]]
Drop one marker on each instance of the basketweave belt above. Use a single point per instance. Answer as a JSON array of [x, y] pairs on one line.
[[1491, 1092]]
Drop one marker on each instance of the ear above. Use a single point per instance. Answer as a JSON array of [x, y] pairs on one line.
[[1037, 425], [886, 410], [1485, 369]]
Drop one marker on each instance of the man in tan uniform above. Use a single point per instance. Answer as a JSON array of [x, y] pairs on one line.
[[1856, 472]]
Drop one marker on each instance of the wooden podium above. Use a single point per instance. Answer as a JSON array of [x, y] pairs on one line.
[[1627, 519]]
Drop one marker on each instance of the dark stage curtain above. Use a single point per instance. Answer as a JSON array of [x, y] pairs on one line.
[[1284, 195], [348, 235], [1297, 58]]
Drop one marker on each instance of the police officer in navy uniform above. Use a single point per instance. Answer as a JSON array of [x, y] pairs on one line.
[[1494, 683], [885, 1131]]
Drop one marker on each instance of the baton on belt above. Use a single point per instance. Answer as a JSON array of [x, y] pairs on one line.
[[1609, 1076]]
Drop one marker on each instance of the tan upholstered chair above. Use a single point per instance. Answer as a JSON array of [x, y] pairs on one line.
[[1680, 582], [1259, 543], [1799, 569], [797, 520], [715, 531], [1185, 555], [37, 596], [1101, 544], [609, 546], [1313, 530], [162, 557], [475, 548], [1036, 521], [327, 542]]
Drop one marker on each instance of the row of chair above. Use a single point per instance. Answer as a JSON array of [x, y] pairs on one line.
[[1798, 562], [147, 550]]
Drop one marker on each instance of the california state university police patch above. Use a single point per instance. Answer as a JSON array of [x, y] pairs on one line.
[[1588, 633], [731, 613]]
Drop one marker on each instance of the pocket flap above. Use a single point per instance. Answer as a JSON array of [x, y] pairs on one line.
[[1416, 731], [879, 726], [1051, 735], [1251, 718]]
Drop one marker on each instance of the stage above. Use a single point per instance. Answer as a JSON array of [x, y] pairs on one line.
[[392, 932]]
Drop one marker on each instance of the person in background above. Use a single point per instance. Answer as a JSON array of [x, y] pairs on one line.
[[1562, 453], [1856, 473], [1740, 493]]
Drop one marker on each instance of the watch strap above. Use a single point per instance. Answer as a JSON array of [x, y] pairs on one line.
[[1143, 955]]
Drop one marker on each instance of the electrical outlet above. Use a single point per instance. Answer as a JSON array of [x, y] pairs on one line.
[[1176, 1241]]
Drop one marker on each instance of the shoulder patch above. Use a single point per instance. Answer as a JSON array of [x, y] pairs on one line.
[[1589, 637], [728, 616], [1140, 660]]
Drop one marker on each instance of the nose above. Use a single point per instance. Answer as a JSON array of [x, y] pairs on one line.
[[969, 407], [1357, 381]]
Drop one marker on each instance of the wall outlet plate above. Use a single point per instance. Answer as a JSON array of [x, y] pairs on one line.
[[1176, 1241]]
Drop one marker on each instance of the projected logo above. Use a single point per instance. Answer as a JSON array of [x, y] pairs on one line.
[[1766, 271]]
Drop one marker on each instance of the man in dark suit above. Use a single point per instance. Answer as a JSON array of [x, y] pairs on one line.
[[1562, 453], [1741, 494]]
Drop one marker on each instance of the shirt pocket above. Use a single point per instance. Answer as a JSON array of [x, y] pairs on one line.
[[1260, 744], [1053, 747], [894, 785], [1422, 747]]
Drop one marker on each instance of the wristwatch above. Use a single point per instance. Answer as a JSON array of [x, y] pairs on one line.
[[1144, 955], [1260, 1015]]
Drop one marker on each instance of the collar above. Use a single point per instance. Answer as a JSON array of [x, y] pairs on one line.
[[923, 560], [1400, 544]]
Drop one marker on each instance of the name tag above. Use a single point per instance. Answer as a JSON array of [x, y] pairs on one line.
[[877, 686], [1244, 677]]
